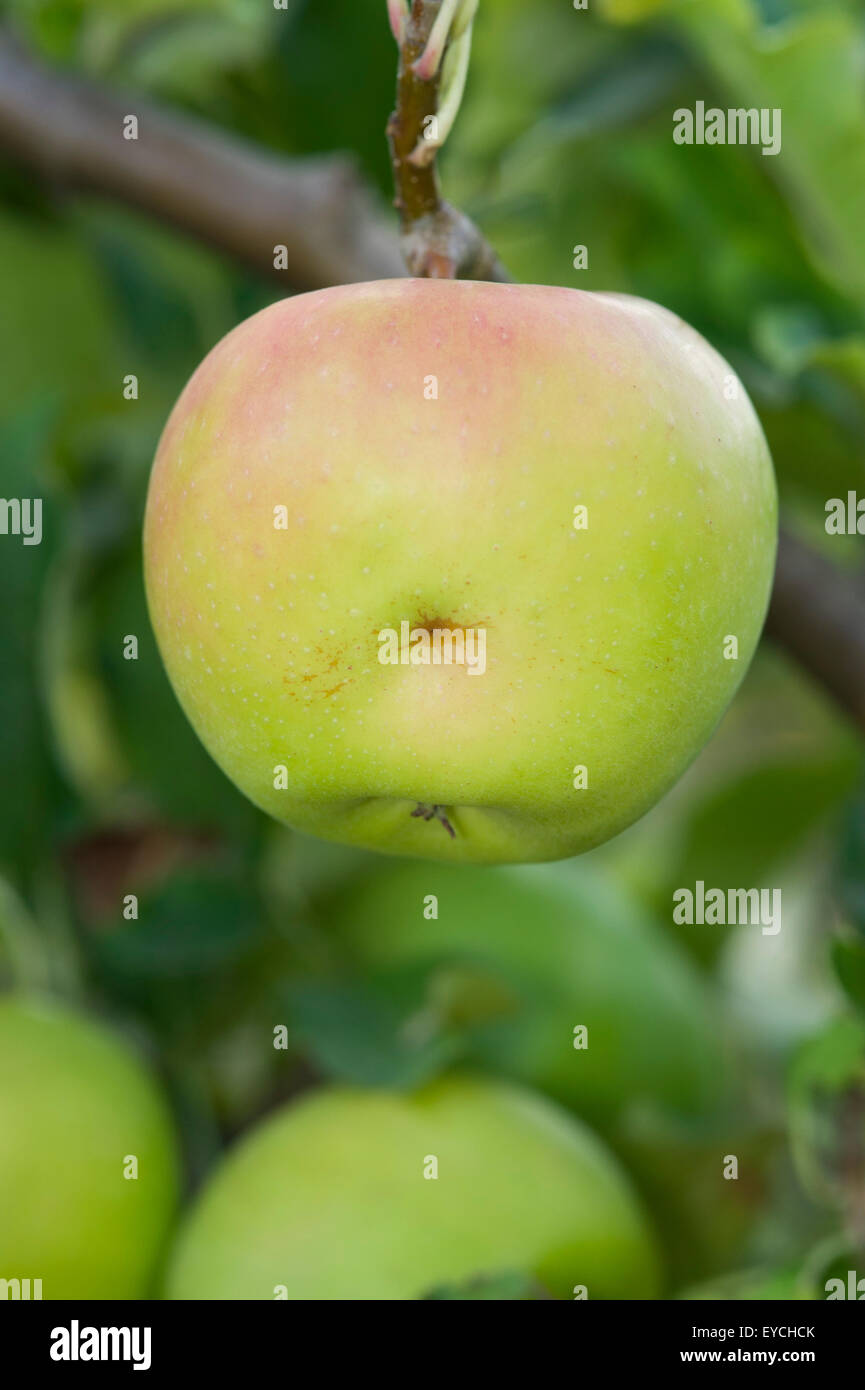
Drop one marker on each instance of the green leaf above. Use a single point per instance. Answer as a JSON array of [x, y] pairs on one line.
[[827, 1112], [364, 1032], [23, 947], [810, 69], [848, 958], [750, 825], [193, 925], [170, 768], [28, 776], [850, 869], [56, 326]]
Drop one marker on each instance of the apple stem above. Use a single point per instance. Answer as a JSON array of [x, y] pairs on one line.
[[437, 240], [444, 26], [434, 812]]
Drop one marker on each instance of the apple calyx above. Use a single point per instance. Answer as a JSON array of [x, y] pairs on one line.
[[434, 813]]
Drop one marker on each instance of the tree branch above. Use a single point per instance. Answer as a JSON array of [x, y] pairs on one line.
[[817, 614], [226, 193]]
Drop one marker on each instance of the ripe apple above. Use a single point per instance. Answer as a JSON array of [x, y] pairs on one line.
[[328, 1199], [576, 481], [565, 948], [75, 1107]]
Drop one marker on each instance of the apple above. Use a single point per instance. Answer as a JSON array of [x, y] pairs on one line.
[[76, 1107], [336, 1197], [567, 494], [565, 949]]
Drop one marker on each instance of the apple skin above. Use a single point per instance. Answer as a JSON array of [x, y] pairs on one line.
[[327, 1197], [567, 948], [73, 1103], [604, 645]]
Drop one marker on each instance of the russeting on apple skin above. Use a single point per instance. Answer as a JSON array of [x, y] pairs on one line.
[[577, 476], [359, 1194]]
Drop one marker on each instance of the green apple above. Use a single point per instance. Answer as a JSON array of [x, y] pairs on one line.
[[566, 950], [360, 1194], [78, 1111], [569, 494]]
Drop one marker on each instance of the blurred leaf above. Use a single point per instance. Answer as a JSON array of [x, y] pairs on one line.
[[750, 825], [630, 11], [23, 962], [848, 957], [633, 82], [92, 30], [54, 283], [171, 297], [751, 1285], [706, 1224], [787, 335], [192, 54], [832, 1258], [361, 1032], [119, 728], [333, 81], [85, 741], [466, 994], [850, 871], [27, 773], [505, 1287], [198, 956], [194, 924], [827, 1112], [810, 69], [808, 429]]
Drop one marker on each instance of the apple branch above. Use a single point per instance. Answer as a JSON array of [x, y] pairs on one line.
[[227, 193], [244, 202], [438, 241], [817, 614]]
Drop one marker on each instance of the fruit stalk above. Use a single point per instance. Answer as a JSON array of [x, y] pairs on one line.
[[437, 240]]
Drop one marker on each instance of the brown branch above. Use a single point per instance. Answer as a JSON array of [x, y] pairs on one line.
[[438, 241], [229, 194], [243, 202], [817, 614]]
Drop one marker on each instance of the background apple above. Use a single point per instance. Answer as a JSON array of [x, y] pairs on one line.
[[429, 443], [328, 1198], [557, 948], [74, 1103]]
